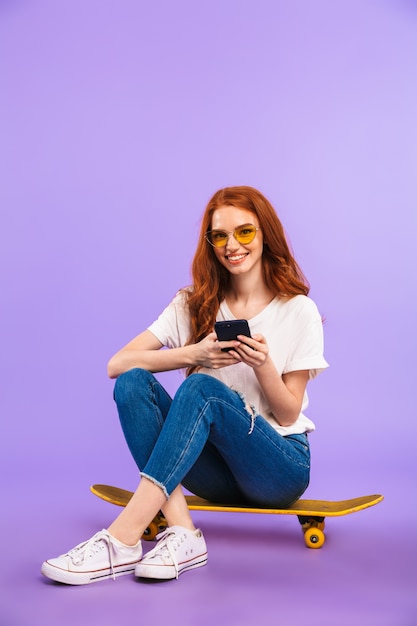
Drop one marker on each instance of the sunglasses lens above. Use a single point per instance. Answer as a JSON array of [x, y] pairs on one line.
[[218, 238], [245, 234]]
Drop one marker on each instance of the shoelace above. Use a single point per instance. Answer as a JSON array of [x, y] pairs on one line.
[[87, 549], [169, 541]]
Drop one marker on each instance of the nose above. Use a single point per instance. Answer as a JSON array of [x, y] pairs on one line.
[[232, 243]]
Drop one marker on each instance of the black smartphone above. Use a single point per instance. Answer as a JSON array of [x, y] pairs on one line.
[[230, 329]]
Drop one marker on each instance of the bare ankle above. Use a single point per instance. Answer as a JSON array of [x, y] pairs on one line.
[[184, 523], [125, 536]]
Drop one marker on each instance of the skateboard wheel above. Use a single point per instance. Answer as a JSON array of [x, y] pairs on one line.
[[160, 522], [150, 532], [314, 538]]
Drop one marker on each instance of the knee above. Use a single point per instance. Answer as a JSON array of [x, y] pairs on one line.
[[195, 381], [128, 385], [200, 384]]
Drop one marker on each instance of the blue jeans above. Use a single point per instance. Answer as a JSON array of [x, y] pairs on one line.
[[205, 439]]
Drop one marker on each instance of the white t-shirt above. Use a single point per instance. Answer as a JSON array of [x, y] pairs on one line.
[[293, 331]]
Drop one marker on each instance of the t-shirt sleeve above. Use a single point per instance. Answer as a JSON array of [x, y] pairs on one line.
[[308, 346], [172, 326]]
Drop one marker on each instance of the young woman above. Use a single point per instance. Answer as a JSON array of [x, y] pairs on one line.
[[236, 430]]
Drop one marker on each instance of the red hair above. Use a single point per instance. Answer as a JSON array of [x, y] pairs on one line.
[[282, 274]]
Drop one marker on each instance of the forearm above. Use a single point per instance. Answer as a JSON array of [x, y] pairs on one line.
[[151, 360], [284, 402], [145, 351]]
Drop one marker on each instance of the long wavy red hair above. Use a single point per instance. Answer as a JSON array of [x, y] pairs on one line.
[[282, 274]]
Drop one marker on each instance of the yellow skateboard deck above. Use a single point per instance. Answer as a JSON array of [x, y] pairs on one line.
[[311, 513]]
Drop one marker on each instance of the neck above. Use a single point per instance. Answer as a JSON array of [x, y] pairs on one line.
[[244, 289]]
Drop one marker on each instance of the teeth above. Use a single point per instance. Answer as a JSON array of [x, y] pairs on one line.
[[236, 258]]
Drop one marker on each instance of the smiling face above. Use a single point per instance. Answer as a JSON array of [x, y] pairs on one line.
[[238, 258]]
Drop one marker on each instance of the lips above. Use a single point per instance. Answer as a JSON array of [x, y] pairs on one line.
[[236, 258]]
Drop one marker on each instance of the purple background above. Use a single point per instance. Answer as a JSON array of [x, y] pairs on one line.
[[118, 122]]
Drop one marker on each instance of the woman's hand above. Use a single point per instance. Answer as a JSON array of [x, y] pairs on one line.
[[209, 352], [251, 350]]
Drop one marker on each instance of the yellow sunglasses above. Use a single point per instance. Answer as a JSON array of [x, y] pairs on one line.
[[243, 234]]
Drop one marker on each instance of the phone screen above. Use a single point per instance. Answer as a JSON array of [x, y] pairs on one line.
[[230, 329]]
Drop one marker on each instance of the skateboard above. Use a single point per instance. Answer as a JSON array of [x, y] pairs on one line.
[[311, 513]]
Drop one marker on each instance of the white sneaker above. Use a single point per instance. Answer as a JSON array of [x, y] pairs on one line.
[[101, 557], [178, 550]]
